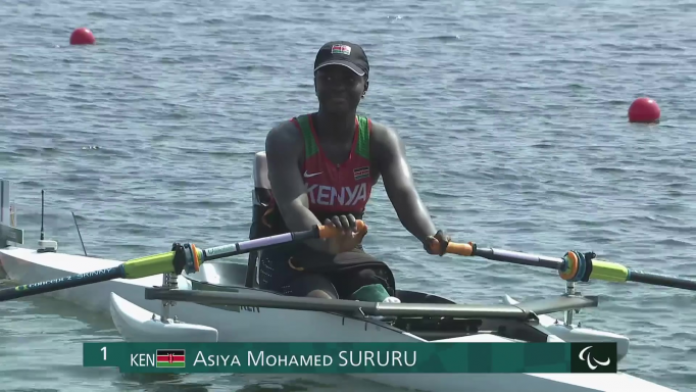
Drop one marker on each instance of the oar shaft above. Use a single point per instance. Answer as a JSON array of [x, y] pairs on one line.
[[661, 280], [62, 283], [555, 263], [218, 252]]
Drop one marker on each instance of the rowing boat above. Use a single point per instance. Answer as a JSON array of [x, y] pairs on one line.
[[219, 302], [132, 314]]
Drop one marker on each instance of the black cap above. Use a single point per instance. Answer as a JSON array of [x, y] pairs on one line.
[[343, 53]]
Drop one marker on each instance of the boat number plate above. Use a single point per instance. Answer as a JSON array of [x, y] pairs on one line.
[[253, 309]]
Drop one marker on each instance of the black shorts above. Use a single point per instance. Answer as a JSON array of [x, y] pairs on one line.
[[276, 274]]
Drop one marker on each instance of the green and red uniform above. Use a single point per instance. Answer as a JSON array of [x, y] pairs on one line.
[[336, 189], [332, 189]]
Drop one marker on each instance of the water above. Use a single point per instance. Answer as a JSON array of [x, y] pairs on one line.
[[514, 121]]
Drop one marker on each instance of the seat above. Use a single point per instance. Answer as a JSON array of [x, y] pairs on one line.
[[261, 202]]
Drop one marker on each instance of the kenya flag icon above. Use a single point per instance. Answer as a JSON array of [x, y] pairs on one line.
[[171, 358]]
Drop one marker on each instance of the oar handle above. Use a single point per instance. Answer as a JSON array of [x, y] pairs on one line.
[[332, 231], [458, 249]]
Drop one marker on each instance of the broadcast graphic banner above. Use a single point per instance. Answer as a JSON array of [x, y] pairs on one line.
[[353, 357]]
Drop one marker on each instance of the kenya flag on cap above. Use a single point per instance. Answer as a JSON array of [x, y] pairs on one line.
[[341, 49]]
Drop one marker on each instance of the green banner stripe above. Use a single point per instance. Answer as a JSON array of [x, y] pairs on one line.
[[362, 357], [173, 364]]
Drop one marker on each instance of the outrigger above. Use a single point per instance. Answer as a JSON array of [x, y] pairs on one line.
[[184, 295]]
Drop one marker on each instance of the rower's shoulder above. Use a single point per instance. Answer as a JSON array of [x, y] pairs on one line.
[[283, 134], [384, 135]]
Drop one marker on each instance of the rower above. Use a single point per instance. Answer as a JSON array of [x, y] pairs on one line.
[[321, 168]]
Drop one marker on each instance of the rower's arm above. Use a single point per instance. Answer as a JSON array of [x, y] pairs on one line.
[[284, 146], [398, 182]]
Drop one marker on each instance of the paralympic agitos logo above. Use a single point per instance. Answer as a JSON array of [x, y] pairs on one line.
[[594, 357], [592, 363]]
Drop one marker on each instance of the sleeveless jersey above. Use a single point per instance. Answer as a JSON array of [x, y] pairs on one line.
[[336, 188]]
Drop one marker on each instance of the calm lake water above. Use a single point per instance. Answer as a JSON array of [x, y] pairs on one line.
[[513, 116]]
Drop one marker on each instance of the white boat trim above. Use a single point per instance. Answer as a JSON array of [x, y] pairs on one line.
[[136, 324]]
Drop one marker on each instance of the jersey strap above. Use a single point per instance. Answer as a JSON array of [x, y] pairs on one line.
[[362, 147], [311, 147]]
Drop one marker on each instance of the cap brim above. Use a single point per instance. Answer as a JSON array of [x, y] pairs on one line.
[[344, 63]]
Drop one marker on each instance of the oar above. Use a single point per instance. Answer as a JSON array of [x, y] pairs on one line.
[[182, 257], [573, 266]]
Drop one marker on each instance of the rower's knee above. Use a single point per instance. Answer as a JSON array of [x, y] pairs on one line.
[[316, 286], [368, 285], [320, 294], [368, 276]]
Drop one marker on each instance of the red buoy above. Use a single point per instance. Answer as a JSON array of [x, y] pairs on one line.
[[644, 110], [82, 36]]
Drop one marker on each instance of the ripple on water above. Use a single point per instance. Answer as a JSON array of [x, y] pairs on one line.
[[517, 146]]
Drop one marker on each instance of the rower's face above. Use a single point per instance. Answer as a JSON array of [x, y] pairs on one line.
[[338, 88]]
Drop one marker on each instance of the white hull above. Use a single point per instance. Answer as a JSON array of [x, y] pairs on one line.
[[132, 315]]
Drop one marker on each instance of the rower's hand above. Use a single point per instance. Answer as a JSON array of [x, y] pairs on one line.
[[350, 238], [437, 244]]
